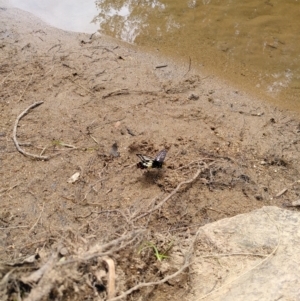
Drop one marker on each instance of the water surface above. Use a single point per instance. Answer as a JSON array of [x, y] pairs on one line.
[[253, 43]]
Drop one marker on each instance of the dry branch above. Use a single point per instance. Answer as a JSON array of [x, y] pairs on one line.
[[36, 104], [45, 280], [107, 249], [146, 284], [37, 275], [170, 195], [111, 285], [118, 92], [126, 92]]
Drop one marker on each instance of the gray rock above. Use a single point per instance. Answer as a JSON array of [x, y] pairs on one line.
[[251, 256]]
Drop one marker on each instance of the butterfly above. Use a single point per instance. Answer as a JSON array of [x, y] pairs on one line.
[[148, 162]]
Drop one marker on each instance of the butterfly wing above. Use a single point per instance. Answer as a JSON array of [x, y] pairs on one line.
[[161, 156], [146, 161]]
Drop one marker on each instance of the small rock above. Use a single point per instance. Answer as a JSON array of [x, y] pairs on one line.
[[74, 178], [117, 124], [63, 251], [193, 96], [296, 203]]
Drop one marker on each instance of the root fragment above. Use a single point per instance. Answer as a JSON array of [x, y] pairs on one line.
[[36, 104]]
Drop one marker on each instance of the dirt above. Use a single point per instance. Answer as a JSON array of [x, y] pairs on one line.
[[104, 102]]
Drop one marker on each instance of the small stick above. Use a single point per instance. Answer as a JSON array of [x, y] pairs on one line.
[[67, 145], [36, 104], [56, 45], [280, 193], [85, 89], [17, 227], [118, 92], [43, 150], [111, 287], [37, 220], [94, 139], [6, 77], [190, 63], [8, 189], [170, 195], [161, 66], [25, 88]]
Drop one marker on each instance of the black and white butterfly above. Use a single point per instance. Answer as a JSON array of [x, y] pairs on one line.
[[148, 162]]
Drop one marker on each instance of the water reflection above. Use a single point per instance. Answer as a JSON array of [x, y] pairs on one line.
[[127, 19]]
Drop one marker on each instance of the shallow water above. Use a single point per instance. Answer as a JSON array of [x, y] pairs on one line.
[[253, 43]]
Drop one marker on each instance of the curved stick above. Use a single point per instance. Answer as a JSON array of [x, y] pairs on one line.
[[36, 104]]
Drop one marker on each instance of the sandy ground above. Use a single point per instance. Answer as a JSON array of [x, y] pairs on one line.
[[104, 102]]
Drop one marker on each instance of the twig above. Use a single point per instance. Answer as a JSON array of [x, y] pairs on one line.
[[218, 211], [111, 285], [33, 243], [7, 189], [118, 92], [106, 249], [56, 45], [84, 216], [36, 104], [25, 88], [16, 227], [161, 66], [93, 252], [280, 193], [141, 285], [45, 279], [36, 275], [87, 90], [190, 63], [234, 254], [6, 278], [94, 139], [67, 145], [43, 150], [116, 211], [6, 77], [170, 195], [30, 230]]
